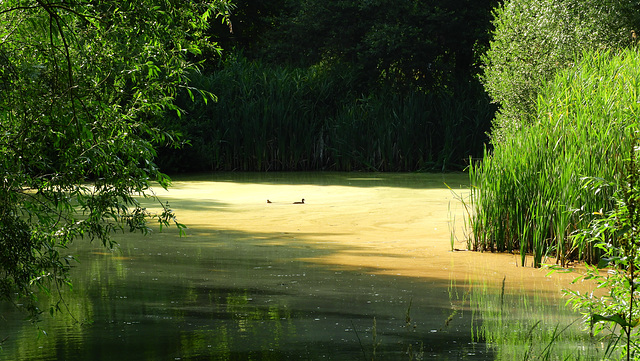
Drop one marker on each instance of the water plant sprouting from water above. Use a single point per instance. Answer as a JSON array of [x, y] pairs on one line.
[[616, 315], [527, 195]]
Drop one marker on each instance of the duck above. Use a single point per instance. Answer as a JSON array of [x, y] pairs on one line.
[[302, 202]]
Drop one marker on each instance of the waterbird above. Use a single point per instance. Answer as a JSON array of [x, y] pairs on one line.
[[268, 201], [299, 202]]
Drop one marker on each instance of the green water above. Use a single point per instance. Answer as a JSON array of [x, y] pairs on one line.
[[229, 292]]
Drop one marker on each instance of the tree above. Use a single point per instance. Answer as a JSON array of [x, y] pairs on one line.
[[81, 86], [251, 19], [403, 43], [533, 39]]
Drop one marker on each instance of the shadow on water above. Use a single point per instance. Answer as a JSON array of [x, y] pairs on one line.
[[229, 295], [206, 205]]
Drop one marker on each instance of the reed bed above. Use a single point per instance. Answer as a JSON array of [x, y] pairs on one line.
[[537, 185], [399, 132], [270, 118]]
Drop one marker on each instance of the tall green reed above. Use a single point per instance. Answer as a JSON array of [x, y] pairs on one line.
[[528, 195], [282, 118], [388, 131], [615, 317]]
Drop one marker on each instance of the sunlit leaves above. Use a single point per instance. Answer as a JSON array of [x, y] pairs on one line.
[[534, 39], [82, 86], [542, 183]]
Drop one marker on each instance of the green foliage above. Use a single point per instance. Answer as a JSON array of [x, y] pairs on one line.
[[532, 191], [285, 118], [342, 85], [534, 39], [392, 132], [616, 234], [399, 43], [82, 85]]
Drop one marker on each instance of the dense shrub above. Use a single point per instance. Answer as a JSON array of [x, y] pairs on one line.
[[533, 39]]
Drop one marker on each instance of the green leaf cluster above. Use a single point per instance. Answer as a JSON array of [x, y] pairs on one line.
[[532, 40], [615, 313], [82, 86]]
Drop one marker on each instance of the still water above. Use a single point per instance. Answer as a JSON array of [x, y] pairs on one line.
[[363, 270]]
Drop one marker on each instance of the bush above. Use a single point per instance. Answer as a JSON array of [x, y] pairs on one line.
[[533, 39]]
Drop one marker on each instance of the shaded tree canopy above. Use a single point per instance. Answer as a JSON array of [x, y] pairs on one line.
[[81, 85], [342, 85], [419, 43]]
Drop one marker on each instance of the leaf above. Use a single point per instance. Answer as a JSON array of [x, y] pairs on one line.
[[617, 318], [604, 262]]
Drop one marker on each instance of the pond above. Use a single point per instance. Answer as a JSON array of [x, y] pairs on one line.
[[363, 270]]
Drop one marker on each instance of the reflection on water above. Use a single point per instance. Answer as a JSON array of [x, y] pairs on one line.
[[361, 271], [517, 327]]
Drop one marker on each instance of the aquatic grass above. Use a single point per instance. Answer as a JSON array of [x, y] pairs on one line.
[[616, 233], [266, 118], [452, 227], [460, 198], [529, 193], [273, 118], [387, 131]]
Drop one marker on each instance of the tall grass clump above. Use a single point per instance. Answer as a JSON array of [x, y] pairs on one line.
[[265, 118], [388, 131], [281, 118], [615, 318], [533, 190]]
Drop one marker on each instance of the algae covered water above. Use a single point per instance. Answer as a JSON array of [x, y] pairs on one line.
[[362, 270]]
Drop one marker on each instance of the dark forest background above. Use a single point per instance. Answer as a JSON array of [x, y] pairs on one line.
[[374, 85]]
